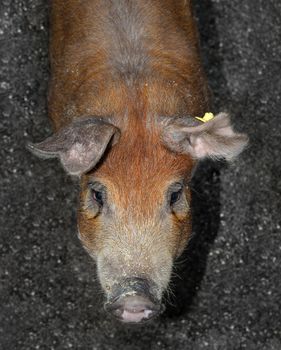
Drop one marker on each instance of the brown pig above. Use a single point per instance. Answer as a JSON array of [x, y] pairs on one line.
[[126, 84]]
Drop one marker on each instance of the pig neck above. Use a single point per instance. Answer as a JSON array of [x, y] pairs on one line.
[[148, 97]]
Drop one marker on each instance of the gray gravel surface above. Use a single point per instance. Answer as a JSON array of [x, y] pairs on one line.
[[227, 293]]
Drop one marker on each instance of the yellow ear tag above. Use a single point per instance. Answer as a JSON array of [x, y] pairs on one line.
[[206, 118]]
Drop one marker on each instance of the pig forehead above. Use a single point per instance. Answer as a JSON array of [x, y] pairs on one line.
[[138, 166]]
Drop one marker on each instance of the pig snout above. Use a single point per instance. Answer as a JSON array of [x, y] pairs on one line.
[[133, 301]]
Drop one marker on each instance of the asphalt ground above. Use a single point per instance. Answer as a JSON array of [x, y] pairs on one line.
[[227, 293]]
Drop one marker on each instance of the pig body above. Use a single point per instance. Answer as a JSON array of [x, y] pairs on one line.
[[126, 85]]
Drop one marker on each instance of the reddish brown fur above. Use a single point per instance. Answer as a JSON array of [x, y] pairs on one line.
[[160, 75], [85, 81]]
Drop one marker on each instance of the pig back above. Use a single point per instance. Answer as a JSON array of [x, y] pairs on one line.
[[106, 55]]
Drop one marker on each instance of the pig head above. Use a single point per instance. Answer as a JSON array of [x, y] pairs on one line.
[[134, 217]]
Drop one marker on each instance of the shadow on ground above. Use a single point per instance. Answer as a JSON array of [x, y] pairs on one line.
[[190, 267]]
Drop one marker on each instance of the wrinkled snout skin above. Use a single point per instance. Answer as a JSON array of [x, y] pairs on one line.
[[126, 85]]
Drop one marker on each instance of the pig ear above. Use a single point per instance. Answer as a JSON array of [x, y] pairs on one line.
[[215, 138], [79, 146]]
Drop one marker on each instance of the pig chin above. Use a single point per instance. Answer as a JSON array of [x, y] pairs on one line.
[[133, 292]]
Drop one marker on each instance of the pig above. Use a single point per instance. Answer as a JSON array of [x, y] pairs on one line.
[[126, 86]]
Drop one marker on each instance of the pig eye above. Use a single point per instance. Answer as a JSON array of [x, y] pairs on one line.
[[176, 195], [97, 196], [97, 192]]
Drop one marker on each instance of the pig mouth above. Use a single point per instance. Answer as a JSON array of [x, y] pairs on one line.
[[133, 300], [134, 309]]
